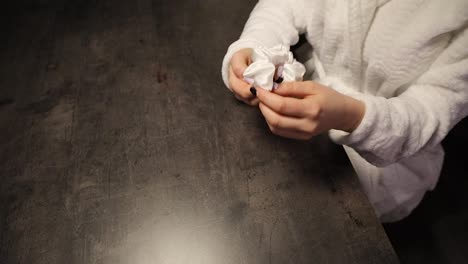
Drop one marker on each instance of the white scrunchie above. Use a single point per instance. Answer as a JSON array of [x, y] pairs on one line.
[[267, 61]]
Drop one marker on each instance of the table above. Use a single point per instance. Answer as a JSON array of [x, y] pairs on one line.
[[120, 144]]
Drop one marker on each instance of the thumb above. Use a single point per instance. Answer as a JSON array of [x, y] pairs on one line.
[[297, 89], [239, 63]]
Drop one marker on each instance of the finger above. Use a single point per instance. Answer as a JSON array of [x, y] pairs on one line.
[[283, 105], [290, 134], [252, 102], [297, 89], [239, 87], [240, 98], [287, 133], [279, 122], [239, 63]]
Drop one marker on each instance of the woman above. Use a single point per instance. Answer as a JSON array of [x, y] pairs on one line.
[[391, 80]]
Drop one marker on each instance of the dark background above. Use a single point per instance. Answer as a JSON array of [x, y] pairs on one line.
[[436, 232]]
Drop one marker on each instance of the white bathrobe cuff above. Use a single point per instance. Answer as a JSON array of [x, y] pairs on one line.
[[233, 48], [364, 133], [368, 128]]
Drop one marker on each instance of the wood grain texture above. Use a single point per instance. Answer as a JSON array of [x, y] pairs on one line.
[[119, 144]]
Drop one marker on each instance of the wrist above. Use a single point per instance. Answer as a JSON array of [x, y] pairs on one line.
[[353, 114]]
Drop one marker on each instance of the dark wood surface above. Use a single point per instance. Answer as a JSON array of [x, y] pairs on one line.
[[120, 144]]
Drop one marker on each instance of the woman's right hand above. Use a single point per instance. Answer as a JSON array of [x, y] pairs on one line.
[[239, 62]]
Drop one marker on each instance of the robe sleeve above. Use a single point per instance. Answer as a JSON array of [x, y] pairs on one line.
[[419, 118], [271, 23]]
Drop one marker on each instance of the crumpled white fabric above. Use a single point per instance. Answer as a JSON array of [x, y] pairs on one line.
[[268, 61]]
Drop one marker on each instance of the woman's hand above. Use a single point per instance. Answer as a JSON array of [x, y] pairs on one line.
[[239, 62], [301, 110]]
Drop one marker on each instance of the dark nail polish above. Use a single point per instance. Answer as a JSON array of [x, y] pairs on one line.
[[253, 91], [279, 80]]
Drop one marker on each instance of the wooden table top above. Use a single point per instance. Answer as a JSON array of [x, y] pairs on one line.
[[120, 144]]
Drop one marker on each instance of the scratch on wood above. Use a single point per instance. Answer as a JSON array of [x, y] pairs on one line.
[[357, 221]]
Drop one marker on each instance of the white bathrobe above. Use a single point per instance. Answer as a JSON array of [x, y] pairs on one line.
[[407, 60]]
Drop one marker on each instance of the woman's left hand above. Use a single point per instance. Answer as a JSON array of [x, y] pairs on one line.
[[301, 110]]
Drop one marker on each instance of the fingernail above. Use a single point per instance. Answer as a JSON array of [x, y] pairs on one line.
[[279, 80], [248, 80], [253, 91]]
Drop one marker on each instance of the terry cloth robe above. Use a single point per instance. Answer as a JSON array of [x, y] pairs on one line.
[[406, 60]]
